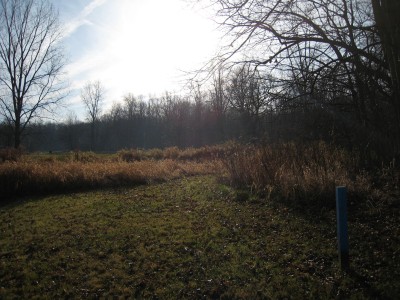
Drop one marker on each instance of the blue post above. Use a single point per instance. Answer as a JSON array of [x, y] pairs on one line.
[[341, 215]]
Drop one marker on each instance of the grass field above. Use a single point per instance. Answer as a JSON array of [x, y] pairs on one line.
[[191, 238]]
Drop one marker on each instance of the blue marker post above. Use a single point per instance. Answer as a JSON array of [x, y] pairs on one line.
[[341, 215]]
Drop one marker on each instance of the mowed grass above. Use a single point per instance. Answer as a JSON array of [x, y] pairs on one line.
[[188, 238]]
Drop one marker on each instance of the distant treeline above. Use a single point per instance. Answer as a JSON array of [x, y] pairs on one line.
[[238, 105], [177, 121]]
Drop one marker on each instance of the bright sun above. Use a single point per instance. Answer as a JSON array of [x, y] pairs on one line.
[[150, 41]]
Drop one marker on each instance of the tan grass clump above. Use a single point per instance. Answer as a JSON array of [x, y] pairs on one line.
[[30, 177], [174, 153], [10, 154], [297, 172]]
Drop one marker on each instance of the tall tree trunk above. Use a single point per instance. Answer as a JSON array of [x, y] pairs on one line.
[[17, 133], [386, 13], [92, 138]]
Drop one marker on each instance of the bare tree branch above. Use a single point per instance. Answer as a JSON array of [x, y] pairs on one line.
[[31, 62]]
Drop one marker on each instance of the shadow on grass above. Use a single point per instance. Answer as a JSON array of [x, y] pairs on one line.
[[362, 281]]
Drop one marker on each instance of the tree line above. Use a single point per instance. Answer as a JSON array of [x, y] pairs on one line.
[[326, 69], [238, 104], [234, 106]]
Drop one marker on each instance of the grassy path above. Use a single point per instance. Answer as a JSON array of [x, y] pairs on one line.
[[188, 238]]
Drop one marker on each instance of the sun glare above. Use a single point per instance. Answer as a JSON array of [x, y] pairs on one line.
[[139, 47], [150, 42]]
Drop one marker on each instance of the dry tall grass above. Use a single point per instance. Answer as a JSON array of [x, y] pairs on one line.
[[297, 172], [192, 154], [10, 154], [292, 172], [30, 177], [57, 173]]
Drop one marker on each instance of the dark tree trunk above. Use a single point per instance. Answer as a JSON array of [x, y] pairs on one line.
[[386, 14], [92, 136], [17, 133]]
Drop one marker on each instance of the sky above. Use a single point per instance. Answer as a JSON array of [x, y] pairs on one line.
[[141, 47]]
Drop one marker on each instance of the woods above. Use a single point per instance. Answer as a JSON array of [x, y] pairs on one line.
[[341, 56]]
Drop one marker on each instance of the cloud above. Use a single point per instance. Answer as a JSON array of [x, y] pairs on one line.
[[85, 64], [81, 19]]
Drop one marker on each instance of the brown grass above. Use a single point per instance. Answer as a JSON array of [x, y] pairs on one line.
[[193, 154], [10, 154], [29, 177], [43, 173], [298, 172]]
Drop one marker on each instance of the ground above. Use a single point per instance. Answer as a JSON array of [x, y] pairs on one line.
[[190, 238]]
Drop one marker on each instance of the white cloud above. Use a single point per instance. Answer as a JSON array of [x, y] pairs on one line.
[[81, 19]]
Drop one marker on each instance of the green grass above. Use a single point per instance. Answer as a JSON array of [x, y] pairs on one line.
[[190, 238]]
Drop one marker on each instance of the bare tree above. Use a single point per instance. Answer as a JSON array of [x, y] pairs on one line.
[[31, 62], [130, 106], [218, 100], [92, 96], [386, 13], [249, 95], [341, 53]]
